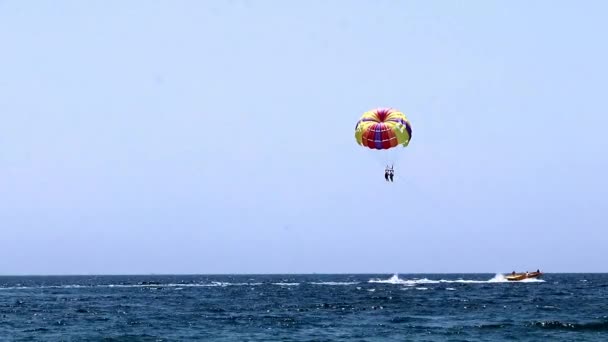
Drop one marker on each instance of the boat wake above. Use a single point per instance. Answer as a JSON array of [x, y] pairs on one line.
[[498, 278]]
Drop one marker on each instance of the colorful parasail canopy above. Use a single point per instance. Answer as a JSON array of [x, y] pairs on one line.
[[382, 129]]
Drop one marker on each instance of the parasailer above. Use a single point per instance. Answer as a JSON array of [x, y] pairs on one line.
[[383, 129]]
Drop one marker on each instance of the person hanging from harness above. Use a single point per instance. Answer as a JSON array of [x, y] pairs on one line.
[[386, 173], [391, 173]]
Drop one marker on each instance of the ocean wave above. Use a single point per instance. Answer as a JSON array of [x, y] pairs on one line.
[[589, 326], [170, 285], [176, 285], [154, 285]]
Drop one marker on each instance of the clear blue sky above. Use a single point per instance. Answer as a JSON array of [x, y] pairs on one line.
[[217, 136]]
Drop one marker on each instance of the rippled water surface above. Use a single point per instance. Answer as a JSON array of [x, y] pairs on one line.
[[434, 307]]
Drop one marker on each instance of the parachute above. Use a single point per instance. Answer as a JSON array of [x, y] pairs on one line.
[[384, 131]]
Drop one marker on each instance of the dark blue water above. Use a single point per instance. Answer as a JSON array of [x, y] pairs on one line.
[[450, 307]]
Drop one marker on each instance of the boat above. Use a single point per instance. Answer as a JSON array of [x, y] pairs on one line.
[[521, 276]]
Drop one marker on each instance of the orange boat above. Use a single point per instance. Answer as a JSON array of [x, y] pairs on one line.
[[521, 276]]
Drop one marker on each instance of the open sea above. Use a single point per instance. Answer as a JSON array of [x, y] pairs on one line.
[[378, 307]]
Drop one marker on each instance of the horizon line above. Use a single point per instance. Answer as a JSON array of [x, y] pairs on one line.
[[267, 274]]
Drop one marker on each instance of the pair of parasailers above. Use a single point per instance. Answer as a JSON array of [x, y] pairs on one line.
[[389, 173]]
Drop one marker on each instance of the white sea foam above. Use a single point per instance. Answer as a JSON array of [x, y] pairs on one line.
[[336, 283], [498, 278]]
